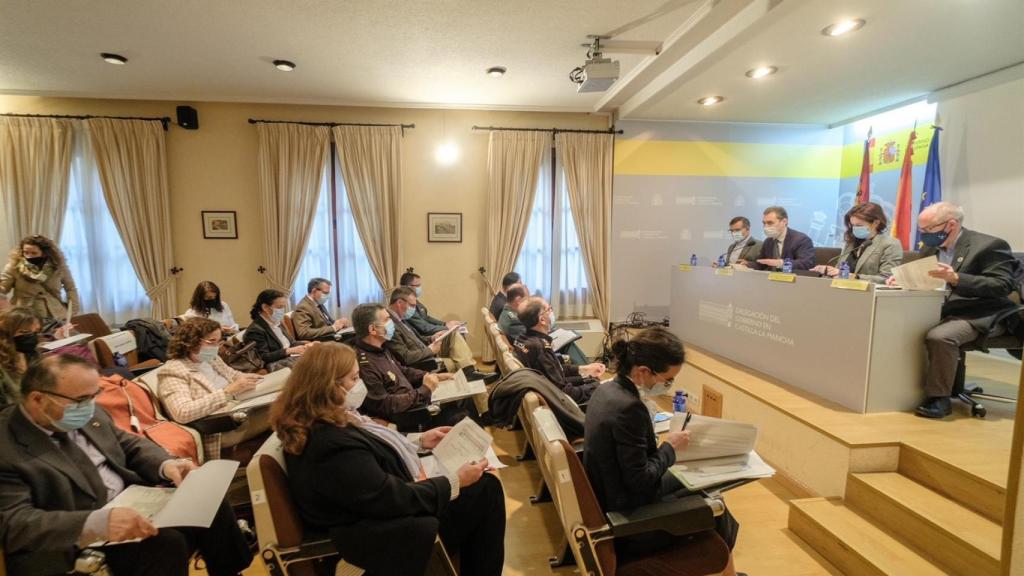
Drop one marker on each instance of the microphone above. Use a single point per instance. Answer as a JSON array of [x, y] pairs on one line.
[[750, 242], [827, 264]]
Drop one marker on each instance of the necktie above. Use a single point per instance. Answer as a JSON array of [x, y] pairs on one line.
[[84, 465], [327, 317]]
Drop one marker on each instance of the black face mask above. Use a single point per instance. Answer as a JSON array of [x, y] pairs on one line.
[[26, 343], [38, 261]]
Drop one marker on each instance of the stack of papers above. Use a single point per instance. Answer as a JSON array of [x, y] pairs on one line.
[[457, 388], [50, 346], [720, 451], [465, 442], [914, 275], [265, 392]]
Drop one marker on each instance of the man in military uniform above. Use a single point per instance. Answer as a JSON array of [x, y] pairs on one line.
[[501, 298], [396, 393], [424, 324], [534, 350], [508, 320]]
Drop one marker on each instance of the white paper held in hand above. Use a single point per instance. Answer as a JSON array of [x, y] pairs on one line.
[[457, 388], [465, 442], [914, 275]]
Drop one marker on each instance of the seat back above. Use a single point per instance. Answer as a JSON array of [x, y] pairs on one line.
[[122, 342], [91, 323], [289, 326], [825, 255], [277, 519], [511, 361]]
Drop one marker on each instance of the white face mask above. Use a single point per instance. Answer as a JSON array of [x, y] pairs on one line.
[[207, 354], [659, 389], [737, 235], [355, 395], [276, 315], [771, 231], [322, 300]]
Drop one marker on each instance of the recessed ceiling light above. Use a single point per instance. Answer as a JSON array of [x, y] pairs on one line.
[[761, 72], [111, 58], [844, 27], [284, 65], [496, 71], [710, 100]]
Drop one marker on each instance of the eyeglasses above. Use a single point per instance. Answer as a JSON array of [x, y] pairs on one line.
[[75, 401]]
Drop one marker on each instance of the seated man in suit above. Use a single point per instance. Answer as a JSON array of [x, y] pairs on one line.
[[501, 298], [311, 319], [397, 393], [534, 350], [781, 242], [508, 320], [979, 272], [61, 460], [424, 324], [743, 247]]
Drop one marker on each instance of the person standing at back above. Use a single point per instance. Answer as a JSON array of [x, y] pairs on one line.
[[37, 273]]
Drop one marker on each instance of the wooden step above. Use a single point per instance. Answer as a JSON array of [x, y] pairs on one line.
[[852, 543], [956, 538], [965, 488]]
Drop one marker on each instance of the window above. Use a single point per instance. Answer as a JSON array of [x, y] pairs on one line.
[[106, 281], [335, 250], [551, 261]]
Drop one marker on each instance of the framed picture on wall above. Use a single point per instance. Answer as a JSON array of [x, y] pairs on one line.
[[220, 225], [444, 227]]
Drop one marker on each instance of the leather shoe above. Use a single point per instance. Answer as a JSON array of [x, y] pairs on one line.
[[935, 407]]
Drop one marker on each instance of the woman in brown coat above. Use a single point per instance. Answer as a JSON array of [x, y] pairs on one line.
[[39, 277]]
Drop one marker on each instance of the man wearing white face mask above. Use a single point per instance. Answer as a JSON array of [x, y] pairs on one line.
[[782, 243], [743, 247], [311, 318]]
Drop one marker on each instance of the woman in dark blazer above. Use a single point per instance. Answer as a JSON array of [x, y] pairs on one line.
[[870, 254], [272, 344], [365, 485], [626, 465]]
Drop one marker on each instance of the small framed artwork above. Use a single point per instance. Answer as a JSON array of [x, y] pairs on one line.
[[220, 225], [444, 227]]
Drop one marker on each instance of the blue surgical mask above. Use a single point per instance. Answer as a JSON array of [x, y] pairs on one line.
[[75, 416], [389, 330], [934, 239], [277, 315], [207, 354], [418, 290], [736, 235], [771, 231], [322, 300], [861, 232], [551, 319], [409, 312]]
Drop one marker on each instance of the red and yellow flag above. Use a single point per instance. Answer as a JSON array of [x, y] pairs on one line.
[[864, 187], [901, 224]]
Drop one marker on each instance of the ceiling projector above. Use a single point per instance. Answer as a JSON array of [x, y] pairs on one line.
[[597, 74]]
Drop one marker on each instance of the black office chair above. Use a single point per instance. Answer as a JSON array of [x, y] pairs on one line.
[[826, 255], [1009, 341]]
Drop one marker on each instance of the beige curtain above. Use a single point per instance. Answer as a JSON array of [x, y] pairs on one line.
[[290, 167], [132, 161], [371, 165], [35, 163], [513, 162], [587, 159]]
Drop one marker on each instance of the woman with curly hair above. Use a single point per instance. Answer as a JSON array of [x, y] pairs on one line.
[[195, 383], [19, 337], [37, 273]]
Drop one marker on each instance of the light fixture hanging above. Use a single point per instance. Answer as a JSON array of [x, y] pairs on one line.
[[115, 59], [496, 71], [284, 65]]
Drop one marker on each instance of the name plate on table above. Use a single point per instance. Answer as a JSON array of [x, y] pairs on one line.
[[860, 285], [782, 277], [685, 267], [724, 271]]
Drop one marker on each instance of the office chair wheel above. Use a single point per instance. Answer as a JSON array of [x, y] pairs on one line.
[[978, 411]]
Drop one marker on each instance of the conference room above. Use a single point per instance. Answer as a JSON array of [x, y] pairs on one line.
[[690, 287]]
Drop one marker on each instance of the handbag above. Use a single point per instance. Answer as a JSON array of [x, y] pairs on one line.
[[242, 356]]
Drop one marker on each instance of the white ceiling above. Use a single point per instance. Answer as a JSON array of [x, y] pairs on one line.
[[434, 53]]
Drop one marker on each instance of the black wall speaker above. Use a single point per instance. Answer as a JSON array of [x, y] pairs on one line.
[[188, 118]]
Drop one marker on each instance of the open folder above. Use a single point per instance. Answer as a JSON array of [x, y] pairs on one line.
[[720, 451], [561, 338], [457, 388]]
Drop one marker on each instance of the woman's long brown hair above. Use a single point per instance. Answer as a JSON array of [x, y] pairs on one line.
[[312, 394]]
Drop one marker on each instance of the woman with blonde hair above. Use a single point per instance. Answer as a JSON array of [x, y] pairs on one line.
[[37, 273], [364, 483]]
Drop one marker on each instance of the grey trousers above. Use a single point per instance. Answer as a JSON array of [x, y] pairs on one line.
[[943, 343]]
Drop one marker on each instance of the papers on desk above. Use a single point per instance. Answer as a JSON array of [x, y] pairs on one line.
[[344, 332], [57, 344], [914, 275], [561, 338], [194, 503], [465, 442], [269, 384], [719, 451], [457, 388]]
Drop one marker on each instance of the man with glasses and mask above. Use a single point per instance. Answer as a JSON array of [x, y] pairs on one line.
[[781, 243], [62, 460], [979, 272], [743, 246], [311, 319]]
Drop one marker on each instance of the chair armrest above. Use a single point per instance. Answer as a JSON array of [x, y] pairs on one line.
[[679, 517], [217, 423], [143, 367]]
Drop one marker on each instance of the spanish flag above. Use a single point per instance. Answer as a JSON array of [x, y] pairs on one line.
[[901, 225]]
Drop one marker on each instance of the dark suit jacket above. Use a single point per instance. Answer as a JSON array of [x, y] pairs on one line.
[[392, 389], [45, 499], [497, 303], [267, 345], [534, 350], [620, 452], [351, 482], [510, 324], [308, 319], [798, 247], [407, 346], [424, 323], [986, 267]]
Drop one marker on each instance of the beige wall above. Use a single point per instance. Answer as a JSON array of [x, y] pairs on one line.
[[213, 168]]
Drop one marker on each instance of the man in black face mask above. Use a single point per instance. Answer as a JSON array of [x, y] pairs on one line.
[[979, 273]]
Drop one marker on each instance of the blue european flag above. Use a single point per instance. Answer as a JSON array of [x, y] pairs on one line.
[[932, 190]]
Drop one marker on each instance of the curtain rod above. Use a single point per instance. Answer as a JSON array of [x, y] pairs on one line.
[[328, 124], [611, 130], [165, 120]]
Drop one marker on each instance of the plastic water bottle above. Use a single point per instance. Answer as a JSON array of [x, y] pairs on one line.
[[120, 360], [721, 261], [678, 411], [787, 265], [693, 259], [844, 271]]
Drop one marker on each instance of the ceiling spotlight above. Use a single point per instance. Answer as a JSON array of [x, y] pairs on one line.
[[111, 58], [496, 71], [761, 72], [710, 100], [284, 65], [846, 26]]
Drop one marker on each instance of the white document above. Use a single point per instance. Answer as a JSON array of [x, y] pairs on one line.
[[344, 331], [194, 503], [256, 402], [64, 342], [561, 338], [715, 471], [460, 327], [465, 442], [432, 468], [269, 384], [914, 275], [715, 438], [661, 421], [457, 388]]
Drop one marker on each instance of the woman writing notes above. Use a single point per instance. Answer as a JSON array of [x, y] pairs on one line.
[[869, 254]]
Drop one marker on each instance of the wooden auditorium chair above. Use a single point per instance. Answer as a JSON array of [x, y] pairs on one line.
[[123, 342]]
